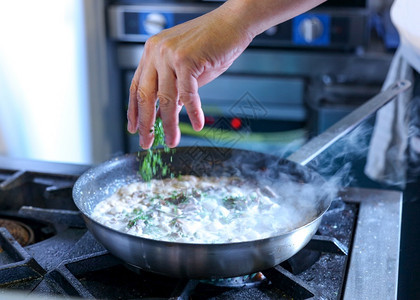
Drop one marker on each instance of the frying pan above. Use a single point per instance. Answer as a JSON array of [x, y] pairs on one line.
[[197, 260]]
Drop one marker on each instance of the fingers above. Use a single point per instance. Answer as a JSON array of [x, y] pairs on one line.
[[132, 112], [188, 95], [169, 107], [174, 85], [143, 97]]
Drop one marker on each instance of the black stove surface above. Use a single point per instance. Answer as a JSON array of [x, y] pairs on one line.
[[64, 259]]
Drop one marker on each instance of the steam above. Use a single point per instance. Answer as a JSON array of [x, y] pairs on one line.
[[337, 163], [323, 177], [341, 164], [301, 190]]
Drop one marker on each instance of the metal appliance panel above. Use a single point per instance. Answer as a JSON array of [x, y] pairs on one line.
[[323, 27]]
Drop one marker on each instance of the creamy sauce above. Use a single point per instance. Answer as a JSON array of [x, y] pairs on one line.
[[202, 210]]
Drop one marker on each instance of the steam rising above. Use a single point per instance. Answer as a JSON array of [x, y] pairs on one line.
[[341, 164], [336, 164], [298, 186]]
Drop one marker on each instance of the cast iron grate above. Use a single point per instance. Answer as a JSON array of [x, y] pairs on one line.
[[20, 188], [101, 275], [16, 265]]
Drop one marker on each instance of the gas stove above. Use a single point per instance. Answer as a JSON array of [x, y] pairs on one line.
[[47, 250]]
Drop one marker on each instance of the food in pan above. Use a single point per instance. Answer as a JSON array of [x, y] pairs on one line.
[[204, 209]]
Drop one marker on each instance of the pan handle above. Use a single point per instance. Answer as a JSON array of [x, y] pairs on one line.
[[318, 144]]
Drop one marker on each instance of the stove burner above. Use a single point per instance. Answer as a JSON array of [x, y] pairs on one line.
[[22, 233], [252, 280]]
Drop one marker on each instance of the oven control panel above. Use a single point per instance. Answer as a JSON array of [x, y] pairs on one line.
[[320, 28]]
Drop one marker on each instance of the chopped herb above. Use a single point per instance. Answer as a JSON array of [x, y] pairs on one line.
[[138, 215], [176, 222], [177, 198], [195, 193], [156, 197], [233, 201], [153, 159]]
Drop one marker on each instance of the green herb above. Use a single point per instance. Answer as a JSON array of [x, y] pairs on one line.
[[153, 160], [233, 201], [196, 193], [138, 215], [177, 198], [176, 222]]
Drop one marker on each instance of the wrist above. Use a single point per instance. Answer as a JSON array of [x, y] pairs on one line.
[[241, 14], [256, 16]]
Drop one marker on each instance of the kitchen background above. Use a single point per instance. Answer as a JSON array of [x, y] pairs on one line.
[[65, 69], [49, 97]]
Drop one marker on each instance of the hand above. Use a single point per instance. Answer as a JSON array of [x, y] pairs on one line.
[[175, 63]]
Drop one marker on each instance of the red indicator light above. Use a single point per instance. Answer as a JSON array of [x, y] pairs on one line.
[[208, 120], [236, 123]]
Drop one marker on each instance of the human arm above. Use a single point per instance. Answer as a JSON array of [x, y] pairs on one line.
[[179, 60]]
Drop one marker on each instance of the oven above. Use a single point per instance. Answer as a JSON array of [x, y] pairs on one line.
[[277, 94]]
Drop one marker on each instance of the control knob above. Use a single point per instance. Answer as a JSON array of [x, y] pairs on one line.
[[154, 23], [310, 29]]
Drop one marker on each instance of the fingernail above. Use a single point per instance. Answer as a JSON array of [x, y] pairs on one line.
[[132, 126], [146, 140], [168, 139], [197, 126], [141, 141]]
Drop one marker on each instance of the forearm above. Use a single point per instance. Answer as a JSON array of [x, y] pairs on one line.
[[256, 16]]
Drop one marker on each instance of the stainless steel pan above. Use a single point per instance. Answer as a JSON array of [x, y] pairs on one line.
[[215, 260]]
